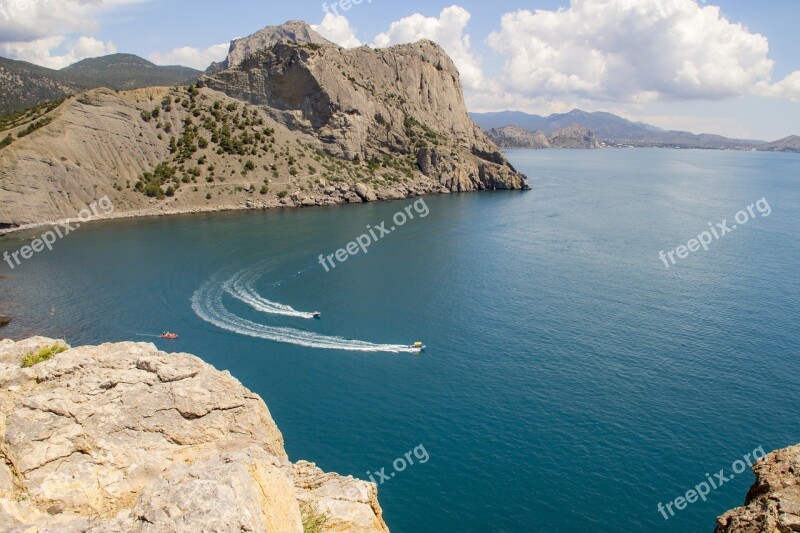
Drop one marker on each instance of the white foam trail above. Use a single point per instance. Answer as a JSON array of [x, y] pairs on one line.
[[241, 288], [207, 304]]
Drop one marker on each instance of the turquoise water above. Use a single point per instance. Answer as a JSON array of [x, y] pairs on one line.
[[571, 381]]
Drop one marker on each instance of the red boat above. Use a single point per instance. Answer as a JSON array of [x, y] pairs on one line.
[[168, 335]]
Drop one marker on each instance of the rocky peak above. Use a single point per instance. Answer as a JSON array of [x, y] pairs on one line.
[[293, 31], [368, 104]]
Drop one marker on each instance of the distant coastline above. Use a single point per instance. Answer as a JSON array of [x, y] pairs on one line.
[[615, 132]]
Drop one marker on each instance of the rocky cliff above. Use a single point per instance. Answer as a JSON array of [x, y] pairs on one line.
[[288, 119], [570, 137], [516, 137], [366, 104], [573, 137], [773, 502], [125, 438]]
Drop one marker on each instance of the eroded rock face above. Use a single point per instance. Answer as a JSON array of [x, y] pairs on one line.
[[122, 437], [773, 502], [368, 103], [516, 137]]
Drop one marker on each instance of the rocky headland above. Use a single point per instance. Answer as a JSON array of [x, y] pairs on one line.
[[125, 438], [773, 503], [288, 119], [573, 136]]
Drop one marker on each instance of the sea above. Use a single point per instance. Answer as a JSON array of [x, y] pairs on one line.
[[576, 376]]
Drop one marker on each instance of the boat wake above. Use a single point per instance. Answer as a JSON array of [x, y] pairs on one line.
[[241, 287], [207, 304]]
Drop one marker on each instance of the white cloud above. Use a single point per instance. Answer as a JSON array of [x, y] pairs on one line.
[[38, 30], [31, 20], [448, 30], [631, 51], [189, 56], [40, 51], [788, 87], [337, 29]]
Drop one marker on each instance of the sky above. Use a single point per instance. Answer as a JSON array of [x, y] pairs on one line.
[[717, 66]]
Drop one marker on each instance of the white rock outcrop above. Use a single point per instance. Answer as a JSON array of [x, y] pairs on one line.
[[123, 438]]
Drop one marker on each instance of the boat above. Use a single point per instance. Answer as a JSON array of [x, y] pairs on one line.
[[316, 314], [418, 346], [168, 335]]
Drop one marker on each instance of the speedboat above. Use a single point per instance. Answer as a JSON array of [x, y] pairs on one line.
[[418, 346], [168, 335], [316, 314]]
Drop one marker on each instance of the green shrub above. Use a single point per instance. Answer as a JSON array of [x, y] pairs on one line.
[[283, 194], [313, 520], [35, 126], [45, 354]]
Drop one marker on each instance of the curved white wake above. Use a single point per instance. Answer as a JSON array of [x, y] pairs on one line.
[[207, 304], [241, 288]]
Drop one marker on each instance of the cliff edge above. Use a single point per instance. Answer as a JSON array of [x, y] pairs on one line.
[[773, 502], [123, 438]]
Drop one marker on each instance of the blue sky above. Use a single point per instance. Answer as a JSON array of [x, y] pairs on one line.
[[675, 63]]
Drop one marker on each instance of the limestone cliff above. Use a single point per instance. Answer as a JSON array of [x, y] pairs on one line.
[[124, 438], [773, 502], [516, 137], [574, 136], [288, 119], [368, 104]]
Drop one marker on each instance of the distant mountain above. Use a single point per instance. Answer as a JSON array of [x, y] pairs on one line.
[[788, 144], [572, 136], [24, 85], [127, 71], [611, 129]]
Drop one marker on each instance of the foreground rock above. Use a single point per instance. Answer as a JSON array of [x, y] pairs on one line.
[[124, 438], [773, 502]]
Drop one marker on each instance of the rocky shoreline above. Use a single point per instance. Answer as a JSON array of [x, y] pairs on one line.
[[123, 437], [772, 504], [339, 195]]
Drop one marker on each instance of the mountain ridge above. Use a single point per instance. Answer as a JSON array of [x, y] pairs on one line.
[[24, 85], [612, 129]]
